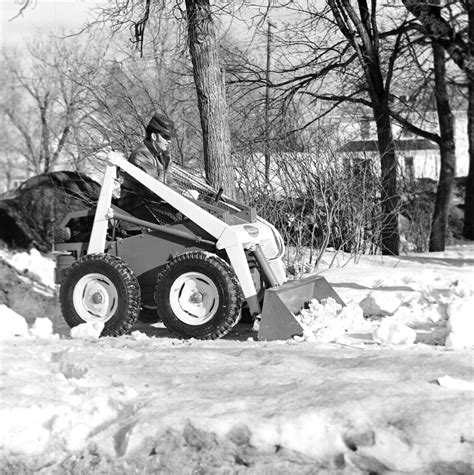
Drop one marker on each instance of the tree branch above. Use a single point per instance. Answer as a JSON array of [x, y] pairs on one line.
[[443, 33], [26, 4]]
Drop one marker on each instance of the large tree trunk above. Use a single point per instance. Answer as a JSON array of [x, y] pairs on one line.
[[210, 87], [447, 152], [468, 231], [388, 161]]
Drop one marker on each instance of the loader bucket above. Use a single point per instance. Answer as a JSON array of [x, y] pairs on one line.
[[283, 302]]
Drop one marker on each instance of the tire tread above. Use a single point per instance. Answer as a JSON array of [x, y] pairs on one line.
[[233, 286], [128, 279]]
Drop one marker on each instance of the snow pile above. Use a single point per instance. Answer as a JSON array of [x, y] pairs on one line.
[[42, 328], [460, 313], [448, 310], [29, 431], [451, 308], [380, 303], [427, 305], [327, 321], [32, 265], [87, 331], [460, 323], [14, 325], [396, 311], [455, 383], [138, 335], [393, 333], [390, 316], [22, 430]]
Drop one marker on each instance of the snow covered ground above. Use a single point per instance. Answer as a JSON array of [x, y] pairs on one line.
[[384, 384]]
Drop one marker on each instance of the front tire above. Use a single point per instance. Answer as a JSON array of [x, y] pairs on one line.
[[198, 296], [101, 288]]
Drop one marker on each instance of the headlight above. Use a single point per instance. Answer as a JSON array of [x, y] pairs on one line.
[[252, 230]]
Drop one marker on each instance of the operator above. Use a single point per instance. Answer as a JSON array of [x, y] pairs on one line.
[[153, 157]]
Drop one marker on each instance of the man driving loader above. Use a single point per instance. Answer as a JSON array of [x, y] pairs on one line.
[[153, 157]]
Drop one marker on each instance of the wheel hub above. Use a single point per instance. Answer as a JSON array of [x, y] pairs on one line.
[[95, 298], [194, 298]]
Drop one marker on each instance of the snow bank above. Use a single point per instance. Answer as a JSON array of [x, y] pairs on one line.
[[32, 264], [22, 429], [392, 333], [455, 383], [13, 325], [328, 321], [139, 404], [460, 323], [233, 404]]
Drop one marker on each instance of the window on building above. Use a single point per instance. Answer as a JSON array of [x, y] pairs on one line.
[[365, 128], [362, 168], [410, 168], [407, 134]]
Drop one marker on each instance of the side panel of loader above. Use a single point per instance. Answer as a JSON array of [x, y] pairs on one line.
[[147, 253]]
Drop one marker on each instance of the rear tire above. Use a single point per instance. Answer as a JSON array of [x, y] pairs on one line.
[[101, 288], [198, 296]]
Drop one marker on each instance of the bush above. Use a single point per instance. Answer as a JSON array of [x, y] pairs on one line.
[[316, 201]]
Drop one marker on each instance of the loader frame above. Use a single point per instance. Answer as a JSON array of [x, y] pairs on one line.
[[234, 239]]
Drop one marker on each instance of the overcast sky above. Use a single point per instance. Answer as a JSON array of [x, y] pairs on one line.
[[50, 16]]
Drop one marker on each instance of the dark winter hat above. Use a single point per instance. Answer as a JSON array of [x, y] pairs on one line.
[[161, 124]]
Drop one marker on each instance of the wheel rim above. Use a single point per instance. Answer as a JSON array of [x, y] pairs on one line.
[[194, 298], [95, 298]]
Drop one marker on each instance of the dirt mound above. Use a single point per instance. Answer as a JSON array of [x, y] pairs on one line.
[[29, 215]]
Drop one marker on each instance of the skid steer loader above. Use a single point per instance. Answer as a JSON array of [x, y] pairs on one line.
[[196, 272]]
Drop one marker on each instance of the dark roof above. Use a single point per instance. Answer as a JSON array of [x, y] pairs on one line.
[[400, 145]]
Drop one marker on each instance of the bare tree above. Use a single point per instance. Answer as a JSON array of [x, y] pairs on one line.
[[41, 104], [209, 79], [458, 40], [312, 54], [9, 157], [430, 72], [126, 89], [398, 56], [208, 75], [361, 31]]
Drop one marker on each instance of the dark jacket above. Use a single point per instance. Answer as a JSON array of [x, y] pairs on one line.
[[151, 161], [136, 199]]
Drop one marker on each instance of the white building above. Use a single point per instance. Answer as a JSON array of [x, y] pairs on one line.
[[417, 157], [13, 171]]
